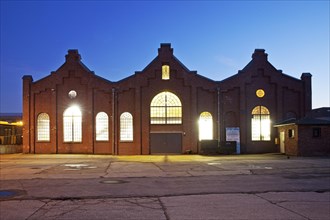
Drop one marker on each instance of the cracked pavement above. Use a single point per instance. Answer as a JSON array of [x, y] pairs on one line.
[[165, 187]]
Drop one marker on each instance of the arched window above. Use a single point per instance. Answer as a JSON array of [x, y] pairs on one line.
[[260, 124], [205, 126], [102, 127], [165, 108], [126, 127], [72, 128], [43, 127]]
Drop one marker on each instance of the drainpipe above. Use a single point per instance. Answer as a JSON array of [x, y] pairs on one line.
[[218, 89], [113, 121]]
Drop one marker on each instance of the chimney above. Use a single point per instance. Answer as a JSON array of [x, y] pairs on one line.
[[165, 51], [72, 56], [259, 54], [307, 80]]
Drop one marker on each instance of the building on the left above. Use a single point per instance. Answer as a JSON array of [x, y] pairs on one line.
[[11, 136]]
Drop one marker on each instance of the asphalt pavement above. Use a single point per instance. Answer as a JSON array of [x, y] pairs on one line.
[[268, 186]]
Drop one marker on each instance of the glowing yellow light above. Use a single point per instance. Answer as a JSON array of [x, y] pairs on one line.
[[260, 93], [205, 126], [165, 72]]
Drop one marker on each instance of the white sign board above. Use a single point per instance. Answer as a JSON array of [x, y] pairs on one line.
[[232, 134]]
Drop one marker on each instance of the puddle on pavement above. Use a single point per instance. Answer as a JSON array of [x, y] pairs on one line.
[[113, 181], [9, 193], [214, 163], [78, 166]]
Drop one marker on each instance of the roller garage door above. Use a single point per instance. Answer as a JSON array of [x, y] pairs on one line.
[[163, 143]]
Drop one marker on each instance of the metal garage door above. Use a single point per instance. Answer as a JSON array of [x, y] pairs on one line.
[[162, 143]]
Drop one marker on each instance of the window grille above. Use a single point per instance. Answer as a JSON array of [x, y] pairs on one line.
[[72, 124], [126, 127], [43, 127], [165, 108], [102, 127], [260, 124]]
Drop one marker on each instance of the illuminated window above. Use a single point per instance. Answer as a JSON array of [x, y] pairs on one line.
[[260, 93], [205, 126], [102, 127], [43, 131], [165, 72], [291, 133], [260, 124], [72, 94], [72, 128], [165, 108], [126, 127]]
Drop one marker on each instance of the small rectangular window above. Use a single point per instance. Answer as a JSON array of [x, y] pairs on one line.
[[165, 72], [291, 133], [316, 132]]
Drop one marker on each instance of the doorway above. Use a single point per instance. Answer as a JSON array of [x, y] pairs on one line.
[[282, 139], [163, 143]]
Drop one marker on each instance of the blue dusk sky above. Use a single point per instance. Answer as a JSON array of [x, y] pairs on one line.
[[117, 38]]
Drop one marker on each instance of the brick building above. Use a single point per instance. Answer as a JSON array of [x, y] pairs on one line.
[[306, 136], [165, 108]]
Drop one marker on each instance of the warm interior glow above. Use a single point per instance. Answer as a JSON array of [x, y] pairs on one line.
[[72, 124], [260, 124], [166, 108], [265, 129], [165, 72], [205, 126], [260, 93], [18, 123]]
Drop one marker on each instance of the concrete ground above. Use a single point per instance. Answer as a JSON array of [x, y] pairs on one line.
[[164, 187]]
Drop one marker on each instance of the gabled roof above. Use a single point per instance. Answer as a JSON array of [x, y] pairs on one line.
[[165, 55], [259, 59], [72, 58], [319, 116]]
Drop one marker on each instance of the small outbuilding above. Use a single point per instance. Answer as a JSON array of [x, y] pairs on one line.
[[308, 136]]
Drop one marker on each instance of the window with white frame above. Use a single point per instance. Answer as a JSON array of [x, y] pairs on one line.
[[43, 127], [126, 127], [102, 127], [72, 124], [165, 108], [260, 124]]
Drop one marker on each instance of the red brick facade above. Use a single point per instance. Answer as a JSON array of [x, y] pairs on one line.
[[230, 102], [308, 136]]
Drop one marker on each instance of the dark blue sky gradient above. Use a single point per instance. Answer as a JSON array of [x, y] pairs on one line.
[[117, 38]]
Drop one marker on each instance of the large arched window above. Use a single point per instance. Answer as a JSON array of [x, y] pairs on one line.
[[102, 127], [43, 128], [72, 128], [205, 126], [126, 127], [260, 124], [165, 108]]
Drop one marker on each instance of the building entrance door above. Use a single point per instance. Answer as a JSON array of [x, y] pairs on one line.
[[282, 138], [163, 143]]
